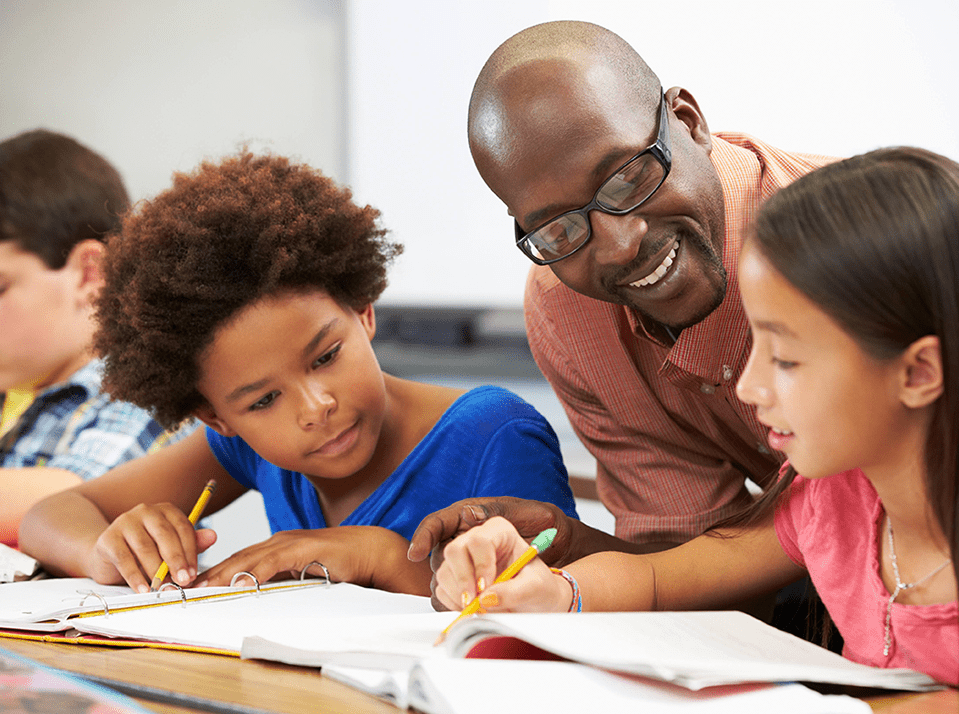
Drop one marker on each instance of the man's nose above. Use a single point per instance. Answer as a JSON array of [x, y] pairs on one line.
[[617, 239]]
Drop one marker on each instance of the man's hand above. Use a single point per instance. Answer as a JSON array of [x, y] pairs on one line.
[[529, 518], [574, 539]]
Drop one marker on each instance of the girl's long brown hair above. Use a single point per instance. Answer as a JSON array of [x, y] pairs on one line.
[[873, 241]]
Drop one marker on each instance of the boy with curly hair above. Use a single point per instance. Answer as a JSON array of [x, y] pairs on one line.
[[58, 199], [243, 296]]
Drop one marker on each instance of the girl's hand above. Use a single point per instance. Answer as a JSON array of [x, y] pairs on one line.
[[365, 555], [138, 541], [474, 559]]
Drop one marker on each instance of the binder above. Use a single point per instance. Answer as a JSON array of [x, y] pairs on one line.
[[211, 620]]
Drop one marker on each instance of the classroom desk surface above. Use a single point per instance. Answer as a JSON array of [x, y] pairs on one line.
[[286, 689]]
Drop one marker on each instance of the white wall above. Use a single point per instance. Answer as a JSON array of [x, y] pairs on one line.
[[827, 76], [158, 85]]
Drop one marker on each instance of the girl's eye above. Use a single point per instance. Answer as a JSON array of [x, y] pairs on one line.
[[783, 364], [264, 401], [326, 357]]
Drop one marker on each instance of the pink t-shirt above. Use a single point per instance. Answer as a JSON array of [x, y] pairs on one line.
[[831, 527]]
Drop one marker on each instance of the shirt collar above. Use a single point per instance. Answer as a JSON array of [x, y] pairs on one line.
[[718, 343], [88, 379]]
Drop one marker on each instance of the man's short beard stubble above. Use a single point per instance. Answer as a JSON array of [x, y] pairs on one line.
[[714, 265]]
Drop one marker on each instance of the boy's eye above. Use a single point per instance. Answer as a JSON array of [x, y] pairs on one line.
[[264, 401], [783, 364], [326, 357]]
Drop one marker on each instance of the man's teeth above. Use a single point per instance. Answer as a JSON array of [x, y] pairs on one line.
[[660, 271]]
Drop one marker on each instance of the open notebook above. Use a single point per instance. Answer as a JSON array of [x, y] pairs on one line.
[[214, 620]]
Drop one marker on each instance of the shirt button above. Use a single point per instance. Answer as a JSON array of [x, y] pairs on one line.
[[763, 449], [707, 388], [727, 372]]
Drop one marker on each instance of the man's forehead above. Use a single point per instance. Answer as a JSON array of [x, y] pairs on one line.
[[555, 105]]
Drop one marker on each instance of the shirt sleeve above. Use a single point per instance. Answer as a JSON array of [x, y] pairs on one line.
[[789, 517], [234, 455], [523, 459], [112, 434]]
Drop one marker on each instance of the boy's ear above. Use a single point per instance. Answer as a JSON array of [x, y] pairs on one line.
[[922, 383], [86, 260], [210, 418], [368, 319]]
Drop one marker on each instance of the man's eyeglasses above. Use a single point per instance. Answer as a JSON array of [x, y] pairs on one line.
[[627, 189]]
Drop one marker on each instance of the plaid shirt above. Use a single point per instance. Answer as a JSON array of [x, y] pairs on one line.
[[672, 441], [74, 426]]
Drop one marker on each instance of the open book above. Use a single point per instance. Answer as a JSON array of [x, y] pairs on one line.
[[694, 650], [388, 638]]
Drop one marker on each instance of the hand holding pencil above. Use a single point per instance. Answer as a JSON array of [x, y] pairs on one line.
[[193, 518], [472, 560]]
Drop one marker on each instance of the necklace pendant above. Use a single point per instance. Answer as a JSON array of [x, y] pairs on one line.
[[887, 640]]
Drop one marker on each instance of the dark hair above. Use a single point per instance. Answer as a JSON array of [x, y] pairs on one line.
[[873, 241], [221, 238], [54, 193]]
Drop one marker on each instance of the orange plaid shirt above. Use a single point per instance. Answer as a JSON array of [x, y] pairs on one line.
[[672, 441]]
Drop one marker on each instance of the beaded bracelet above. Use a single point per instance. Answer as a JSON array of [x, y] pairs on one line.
[[577, 604]]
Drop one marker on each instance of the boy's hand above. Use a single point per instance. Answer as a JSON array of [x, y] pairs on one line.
[[134, 545], [475, 558], [365, 555]]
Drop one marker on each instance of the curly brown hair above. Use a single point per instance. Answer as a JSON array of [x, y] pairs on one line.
[[221, 238]]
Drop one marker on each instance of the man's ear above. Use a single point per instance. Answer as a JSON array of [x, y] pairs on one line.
[[687, 110], [210, 418], [922, 373], [86, 262]]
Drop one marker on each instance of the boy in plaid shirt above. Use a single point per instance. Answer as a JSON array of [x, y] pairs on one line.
[[58, 200]]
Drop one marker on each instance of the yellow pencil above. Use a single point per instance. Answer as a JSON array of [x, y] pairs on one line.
[[194, 517], [539, 544]]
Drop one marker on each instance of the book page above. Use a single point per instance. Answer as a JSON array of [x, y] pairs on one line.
[[305, 614], [695, 649], [450, 687], [15, 566]]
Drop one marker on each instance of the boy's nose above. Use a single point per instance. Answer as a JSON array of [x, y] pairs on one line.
[[315, 408]]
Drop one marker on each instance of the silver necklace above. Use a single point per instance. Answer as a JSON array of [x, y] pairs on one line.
[[900, 586]]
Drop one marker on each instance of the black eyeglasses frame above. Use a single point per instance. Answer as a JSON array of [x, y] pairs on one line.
[[660, 150]]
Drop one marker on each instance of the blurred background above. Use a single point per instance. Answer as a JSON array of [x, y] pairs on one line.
[[374, 93]]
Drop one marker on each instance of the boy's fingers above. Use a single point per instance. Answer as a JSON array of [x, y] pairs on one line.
[[126, 564], [171, 536]]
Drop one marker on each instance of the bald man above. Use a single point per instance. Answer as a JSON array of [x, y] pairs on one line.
[[633, 214]]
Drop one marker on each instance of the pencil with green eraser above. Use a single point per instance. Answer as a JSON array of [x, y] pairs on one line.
[[539, 544]]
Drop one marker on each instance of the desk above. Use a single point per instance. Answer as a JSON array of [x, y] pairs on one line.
[[287, 689]]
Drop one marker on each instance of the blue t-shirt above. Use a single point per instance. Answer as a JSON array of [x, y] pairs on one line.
[[488, 443]]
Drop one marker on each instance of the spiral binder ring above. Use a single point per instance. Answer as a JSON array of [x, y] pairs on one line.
[[251, 576], [98, 596], [172, 584], [326, 571]]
